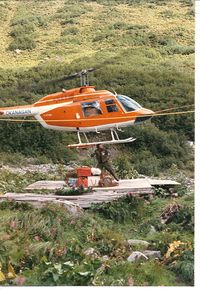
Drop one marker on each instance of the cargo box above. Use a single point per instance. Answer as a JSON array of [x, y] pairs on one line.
[[84, 171]]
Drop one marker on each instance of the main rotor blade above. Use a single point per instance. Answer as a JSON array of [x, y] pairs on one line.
[[64, 78], [43, 83], [75, 75]]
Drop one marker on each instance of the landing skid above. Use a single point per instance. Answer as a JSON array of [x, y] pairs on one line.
[[115, 140]]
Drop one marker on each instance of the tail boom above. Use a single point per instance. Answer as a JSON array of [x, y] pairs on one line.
[[20, 111]]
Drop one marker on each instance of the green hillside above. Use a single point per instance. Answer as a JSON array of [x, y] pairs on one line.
[[144, 49], [64, 31]]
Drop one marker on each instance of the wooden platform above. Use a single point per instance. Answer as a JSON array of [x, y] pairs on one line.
[[46, 184], [128, 184], [82, 201], [137, 187]]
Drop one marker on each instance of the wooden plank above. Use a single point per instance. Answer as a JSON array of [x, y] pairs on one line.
[[127, 184], [83, 201], [46, 184], [161, 182], [91, 196], [123, 184]]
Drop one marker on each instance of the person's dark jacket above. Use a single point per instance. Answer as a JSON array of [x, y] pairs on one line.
[[102, 156]]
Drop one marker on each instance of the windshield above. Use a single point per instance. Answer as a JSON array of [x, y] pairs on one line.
[[128, 104]]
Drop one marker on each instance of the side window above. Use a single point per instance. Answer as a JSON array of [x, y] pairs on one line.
[[91, 109], [111, 106]]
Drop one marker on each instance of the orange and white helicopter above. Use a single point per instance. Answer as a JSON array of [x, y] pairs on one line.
[[84, 110]]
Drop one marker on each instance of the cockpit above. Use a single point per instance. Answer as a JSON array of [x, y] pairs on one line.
[[128, 104]]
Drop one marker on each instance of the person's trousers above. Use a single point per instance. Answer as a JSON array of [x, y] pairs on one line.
[[108, 167]]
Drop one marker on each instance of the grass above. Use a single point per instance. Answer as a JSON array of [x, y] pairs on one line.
[[54, 243], [89, 18]]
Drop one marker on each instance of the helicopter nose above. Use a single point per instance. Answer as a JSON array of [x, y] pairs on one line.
[[144, 115]]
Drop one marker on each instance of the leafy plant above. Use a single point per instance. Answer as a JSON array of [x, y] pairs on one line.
[[184, 267], [180, 259], [126, 208], [73, 191], [124, 168], [161, 192]]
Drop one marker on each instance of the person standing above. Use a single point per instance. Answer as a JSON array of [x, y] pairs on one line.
[[103, 158]]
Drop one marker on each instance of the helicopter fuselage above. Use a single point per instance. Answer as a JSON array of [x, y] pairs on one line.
[[82, 109]]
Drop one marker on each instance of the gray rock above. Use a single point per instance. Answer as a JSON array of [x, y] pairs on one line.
[[136, 255], [105, 258], [138, 242], [152, 230], [152, 254], [91, 252], [18, 51], [73, 208]]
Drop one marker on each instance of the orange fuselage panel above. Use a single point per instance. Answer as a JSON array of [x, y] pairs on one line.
[[72, 109], [72, 115]]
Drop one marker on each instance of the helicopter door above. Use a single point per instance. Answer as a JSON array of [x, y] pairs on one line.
[[111, 106], [91, 109]]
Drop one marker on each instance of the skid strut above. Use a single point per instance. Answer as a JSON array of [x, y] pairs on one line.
[[114, 140]]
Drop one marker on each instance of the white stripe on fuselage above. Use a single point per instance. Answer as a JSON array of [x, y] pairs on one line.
[[32, 111], [19, 112], [86, 129]]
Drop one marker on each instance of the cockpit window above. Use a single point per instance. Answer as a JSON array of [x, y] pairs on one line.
[[91, 109], [111, 106], [128, 104]]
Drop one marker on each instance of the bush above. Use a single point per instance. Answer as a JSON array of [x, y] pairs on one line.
[[121, 210], [146, 163], [25, 42], [184, 267], [34, 140], [20, 30], [65, 191], [124, 168], [155, 150], [24, 21], [68, 20], [13, 205], [70, 30], [185, 217], [179, 49]]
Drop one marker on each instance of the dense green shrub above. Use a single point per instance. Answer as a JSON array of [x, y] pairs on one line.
[[32, 140], [20, 30], [23, 43], [27, 20], [184, 267], [127, 208], [70, 30], [155, 150], [185, 218], [124, 168]]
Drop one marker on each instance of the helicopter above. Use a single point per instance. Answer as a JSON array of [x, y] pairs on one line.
[[84, 109]]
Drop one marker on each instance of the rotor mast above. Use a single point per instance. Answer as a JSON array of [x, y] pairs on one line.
[[84, 78]]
